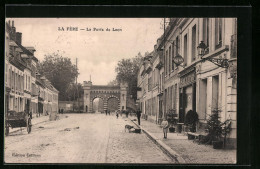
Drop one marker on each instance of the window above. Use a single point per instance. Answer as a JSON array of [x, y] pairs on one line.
[[194, 47], [218, 32], [166, 64], [173, 55], [206, 33], [10, 78], [175, 96], [33, 71], [171, 97], [185, 49], [29, 83], [26, 87], [177, 45], [215, 91], [170, 59], [6, 73], [12, 81], [22, 83], [149, 83], [19, 82], [16, 81]]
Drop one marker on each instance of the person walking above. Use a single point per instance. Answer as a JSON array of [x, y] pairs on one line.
[[165, 126], [138, 114], [106, 112], [109, 112], [117, 114]]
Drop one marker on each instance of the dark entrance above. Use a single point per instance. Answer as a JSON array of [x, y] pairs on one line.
[[187, 93], [27, 106]]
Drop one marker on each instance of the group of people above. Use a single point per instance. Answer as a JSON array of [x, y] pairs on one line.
[[138, 113], [60, 111], [107, 112]]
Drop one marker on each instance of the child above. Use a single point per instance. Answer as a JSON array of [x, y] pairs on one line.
[[165, 127]]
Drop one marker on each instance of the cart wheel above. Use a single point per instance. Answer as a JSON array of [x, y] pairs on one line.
[[6, 130], [29, 125]]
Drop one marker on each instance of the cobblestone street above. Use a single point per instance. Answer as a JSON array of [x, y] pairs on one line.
[[82, 138]]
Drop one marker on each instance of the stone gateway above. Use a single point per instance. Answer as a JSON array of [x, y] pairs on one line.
[[113, 97]]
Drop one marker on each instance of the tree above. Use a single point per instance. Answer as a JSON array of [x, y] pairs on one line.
[[59, 71], [113, 83], [74, 91], [127, 72]]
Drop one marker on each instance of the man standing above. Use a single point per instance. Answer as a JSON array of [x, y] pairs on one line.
[[106, 112], [138, 114], [126, 113]]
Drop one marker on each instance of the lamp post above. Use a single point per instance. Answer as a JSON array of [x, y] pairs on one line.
[[201, 48], [221, 62]]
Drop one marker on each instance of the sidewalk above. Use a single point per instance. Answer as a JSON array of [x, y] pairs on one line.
[[186, 151]]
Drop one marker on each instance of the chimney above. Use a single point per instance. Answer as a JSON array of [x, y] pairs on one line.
[[19, 37], [13, 32]]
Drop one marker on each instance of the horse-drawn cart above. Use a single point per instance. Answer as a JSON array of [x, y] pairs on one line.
[[15, 119]]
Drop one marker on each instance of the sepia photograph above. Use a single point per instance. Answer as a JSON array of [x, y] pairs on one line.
[[120, 90]]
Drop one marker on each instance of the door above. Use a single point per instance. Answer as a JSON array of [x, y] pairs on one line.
[[182, 105]]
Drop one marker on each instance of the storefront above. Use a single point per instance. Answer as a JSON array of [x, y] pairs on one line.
[[40, 106], [187, 92]]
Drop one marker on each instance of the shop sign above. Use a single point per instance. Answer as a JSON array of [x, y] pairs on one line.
[[188, 79]]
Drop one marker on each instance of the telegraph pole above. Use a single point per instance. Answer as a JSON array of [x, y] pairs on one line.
[[77, 83]]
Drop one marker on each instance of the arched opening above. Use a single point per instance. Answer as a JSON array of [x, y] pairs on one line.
[[113, 104], [98, 105]]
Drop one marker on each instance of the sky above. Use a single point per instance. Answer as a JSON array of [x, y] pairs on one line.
[[97, 51]]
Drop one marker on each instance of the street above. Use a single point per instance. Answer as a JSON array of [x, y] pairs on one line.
[[82, 138]]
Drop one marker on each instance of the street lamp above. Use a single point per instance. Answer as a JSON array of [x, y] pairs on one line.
[[202, 48], [221, 62]]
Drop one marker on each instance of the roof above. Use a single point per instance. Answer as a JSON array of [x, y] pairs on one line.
[[26, 51], [12, 43], [30, 48]]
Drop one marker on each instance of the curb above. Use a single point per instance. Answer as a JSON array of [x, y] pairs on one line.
[[165, 148]]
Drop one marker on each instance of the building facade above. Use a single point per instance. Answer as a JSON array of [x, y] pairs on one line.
[[24, 88], [201, 82]]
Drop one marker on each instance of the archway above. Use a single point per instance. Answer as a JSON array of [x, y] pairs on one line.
[[113, 104], [97, 105], [105, 93]]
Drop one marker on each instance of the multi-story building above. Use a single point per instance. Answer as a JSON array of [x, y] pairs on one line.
[[150, 82], [14, 71], [202, 82], [23, 88]]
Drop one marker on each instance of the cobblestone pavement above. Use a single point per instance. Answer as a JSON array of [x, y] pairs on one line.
[[82, 138], [191, 152]]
